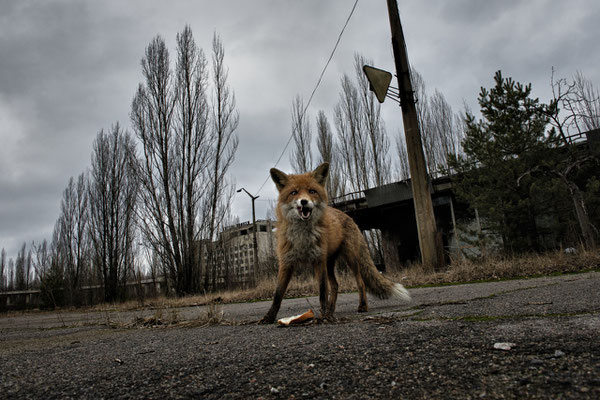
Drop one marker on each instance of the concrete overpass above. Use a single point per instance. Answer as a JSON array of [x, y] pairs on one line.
[[390, 209]]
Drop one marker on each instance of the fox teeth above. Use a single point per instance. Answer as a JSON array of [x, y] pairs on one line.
[[304, 214]]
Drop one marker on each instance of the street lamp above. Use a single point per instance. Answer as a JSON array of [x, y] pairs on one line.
[[254, 232]]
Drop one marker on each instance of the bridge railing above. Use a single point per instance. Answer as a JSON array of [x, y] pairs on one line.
[[577, 138], [347, 197]]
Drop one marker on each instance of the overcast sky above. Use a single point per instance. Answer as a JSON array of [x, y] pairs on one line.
[[70, 68]]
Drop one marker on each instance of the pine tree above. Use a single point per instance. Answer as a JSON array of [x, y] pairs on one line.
[[500, 149]]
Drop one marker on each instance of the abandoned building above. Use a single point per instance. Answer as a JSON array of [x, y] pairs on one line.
[[233, 264]]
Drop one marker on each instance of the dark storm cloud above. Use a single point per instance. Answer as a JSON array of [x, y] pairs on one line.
[[54, 96], [24, 211], [457, 46], [70, 68]]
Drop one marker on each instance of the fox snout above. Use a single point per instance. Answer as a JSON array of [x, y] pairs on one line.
[[304, 207]]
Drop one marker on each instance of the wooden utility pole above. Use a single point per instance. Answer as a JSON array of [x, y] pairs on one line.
[[429, 242]]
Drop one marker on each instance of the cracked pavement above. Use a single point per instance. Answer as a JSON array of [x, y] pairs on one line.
[[441, 345]]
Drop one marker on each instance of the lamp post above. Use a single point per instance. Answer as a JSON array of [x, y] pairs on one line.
[[254, 233]]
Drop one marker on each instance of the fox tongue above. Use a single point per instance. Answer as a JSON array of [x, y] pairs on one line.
[[305, 212]]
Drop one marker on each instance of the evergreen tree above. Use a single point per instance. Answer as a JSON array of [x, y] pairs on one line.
[[499, 151]]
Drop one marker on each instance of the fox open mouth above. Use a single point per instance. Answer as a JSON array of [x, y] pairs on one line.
[[304, 212]]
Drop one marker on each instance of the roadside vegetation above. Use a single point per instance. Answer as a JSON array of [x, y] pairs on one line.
[[493, 268]]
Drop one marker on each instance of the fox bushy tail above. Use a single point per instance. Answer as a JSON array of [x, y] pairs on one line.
[[376, 283]]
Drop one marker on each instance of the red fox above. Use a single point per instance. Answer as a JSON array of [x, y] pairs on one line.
[[312, 234]]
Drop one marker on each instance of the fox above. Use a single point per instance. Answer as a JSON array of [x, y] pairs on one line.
[[311, 234]]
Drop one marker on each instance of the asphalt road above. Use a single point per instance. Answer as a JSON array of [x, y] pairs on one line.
[[441, 345]]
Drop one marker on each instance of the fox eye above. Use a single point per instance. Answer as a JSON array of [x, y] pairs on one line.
[[294, 192], [312, 191]]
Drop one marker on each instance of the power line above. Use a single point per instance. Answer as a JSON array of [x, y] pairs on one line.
[[314, 90]]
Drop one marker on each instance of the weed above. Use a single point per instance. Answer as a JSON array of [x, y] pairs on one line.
[[460, 271]]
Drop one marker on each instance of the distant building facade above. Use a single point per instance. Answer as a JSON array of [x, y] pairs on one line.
[[232, 263]]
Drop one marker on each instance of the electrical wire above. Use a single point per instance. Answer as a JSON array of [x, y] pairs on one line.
[[314, 90]]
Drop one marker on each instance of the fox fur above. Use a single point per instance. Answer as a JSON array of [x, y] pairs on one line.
[[310, 234]]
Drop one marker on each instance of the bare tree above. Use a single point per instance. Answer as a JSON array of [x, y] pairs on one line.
[[42, 260], [352, 141], [112, 195], [324, 139], [403, 172], [71, 233], [171, 169], [378, 160], [20, 278], [3, 283], [421, 105], [193, 137], [29, 272], [378, 142], [151, 116], [328, 153], [580, 104], [440, 128], [225, 120], [10, 275], [186, 153], [363, 143], [301, 158], [584, 104]]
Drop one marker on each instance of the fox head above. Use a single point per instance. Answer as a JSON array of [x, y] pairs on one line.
[[303, 196]]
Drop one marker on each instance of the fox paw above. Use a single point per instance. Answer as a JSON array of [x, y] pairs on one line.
[[326, 317], [267, 319]]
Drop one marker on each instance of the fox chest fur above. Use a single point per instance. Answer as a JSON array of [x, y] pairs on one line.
[[301, 242]]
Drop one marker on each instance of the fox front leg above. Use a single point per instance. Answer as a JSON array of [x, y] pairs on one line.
[[283, 279]]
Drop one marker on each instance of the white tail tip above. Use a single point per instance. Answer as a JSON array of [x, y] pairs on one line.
[[400, 292]]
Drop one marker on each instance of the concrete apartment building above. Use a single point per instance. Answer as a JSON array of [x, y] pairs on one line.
[[234, 260]]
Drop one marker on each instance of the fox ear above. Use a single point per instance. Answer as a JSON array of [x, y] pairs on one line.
[[280, 178], [321, 172]]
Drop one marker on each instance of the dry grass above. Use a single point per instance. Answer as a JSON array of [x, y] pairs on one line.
[[493, 268], [166, 318], [500, 268]]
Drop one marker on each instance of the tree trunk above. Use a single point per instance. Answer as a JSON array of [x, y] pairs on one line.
[[588, 230]]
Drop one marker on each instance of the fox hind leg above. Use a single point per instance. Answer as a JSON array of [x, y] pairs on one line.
[[352, 259], [322, 279], [362, 293], [333, 284]]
